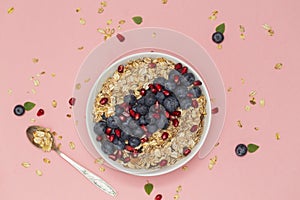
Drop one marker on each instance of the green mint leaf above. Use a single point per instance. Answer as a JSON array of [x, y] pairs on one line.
[[252, 148], [28, 105], [221, 28], [148, 188], [137, 19]]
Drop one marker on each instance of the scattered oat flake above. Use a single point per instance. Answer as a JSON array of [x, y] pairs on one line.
[[53, 74], [72, 145], [262, 102], [213, 15], [164, 1], [33, 91], [36, 82], [219, 46], [103, 3], [179, 189], [269, 29], [25, 164], [252, 93], [277, 136], [69, 115], [102, 169], [122, 21], [80, 48], [35, 60], [184, 168], [239, 123], [242, 36], [256, 128], [229, 89], [54, 103], [87, 80], [82, 21], [32, 120], [217, 144], [176, 197], [99, 161], [60, 137], [278, 66], [46, 160], [38, 172], [154, 35], [247, 108], [77, 10], [59, 146], [9, 91], [109, 22], [54, 133], [243, 81], [212, 162], [100, 10], [78, 86], [10, 10], [252, 101], [242, 29]]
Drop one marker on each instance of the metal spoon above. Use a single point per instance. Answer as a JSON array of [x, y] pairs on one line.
[[34, 131]]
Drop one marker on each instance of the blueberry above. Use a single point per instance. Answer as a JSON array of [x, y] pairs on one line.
[[170, 85], [181, 92], [119, 143], [124, 136], [107, 147], [142, 120], [162, 122], [160, 97], [241, 150], [142, 109], [196, 91], [130, 99], [172, 73], [141, 100], [152, 128], [185, 103], [132, 124], [170, 104], [218, 37], [19, 110], [150, 99], [159, 80], [138, 132], [188, 79], [149, 119], [134, 141], [100, 127], [112, 122], [119, 110]]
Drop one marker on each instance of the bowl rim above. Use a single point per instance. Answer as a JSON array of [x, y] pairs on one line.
[[97, 87]]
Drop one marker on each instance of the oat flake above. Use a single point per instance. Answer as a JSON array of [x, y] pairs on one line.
[[278, 66], [80, 48], [100, 10], [78, 86], [9, 91], [46, 160], [109, 22], [102, 169], [247, 108], [72, 145], [122, 21], [262, 102], [35, 60], [82, 21], [10, 10], [239, 123], [54, 103], [277, 136], [26, 164], [38, 172]]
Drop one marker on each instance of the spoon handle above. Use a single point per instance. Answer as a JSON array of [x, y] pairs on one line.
[[99, 182]]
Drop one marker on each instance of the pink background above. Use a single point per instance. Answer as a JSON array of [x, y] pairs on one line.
[[51, 32]]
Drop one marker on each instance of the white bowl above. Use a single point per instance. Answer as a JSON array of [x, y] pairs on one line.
[[90, 123]]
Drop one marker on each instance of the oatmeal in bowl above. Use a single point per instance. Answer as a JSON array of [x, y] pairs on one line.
[[148, 114]]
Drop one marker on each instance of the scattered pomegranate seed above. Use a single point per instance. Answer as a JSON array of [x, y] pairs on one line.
[[120, 37], [103, 101], [121, 68], [158, 197], [184, 70], [99, 138], [132, 113], [163, 163], [111, 138], [164, 135], [72, 101], [143, 140], [176, 78], [143, 92], [195, 103], [126, 160], [186, 151], [154, 90], [176, 113], [194, 128], [113, 157], [143, 127], [119, 154], [137, 116], [190, 95], [40, 112], [118, 132], [178, 66], [135, 153], [108, 131], [151, 86], [175, 122], [215, 110], [166, 92], [129, 148], [197, 83], [151, 65], [158, 87], [167, 114], [122, 118]]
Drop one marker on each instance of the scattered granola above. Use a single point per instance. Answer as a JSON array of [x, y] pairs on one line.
[[278, 66], [269, 29], [277, 136], [239, 123], [38, 172], [213, 15], [46, 160], [10, 10], [43, 138], [72, 145], [26, 164]]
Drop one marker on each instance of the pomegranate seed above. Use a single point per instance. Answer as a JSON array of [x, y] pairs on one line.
[[99, 138], [166, 92], [151, 65], [186, 151], [151, 86], [163, 163], [167, 114], [113, 157], [165, 135], [176, 78], [184, 70], [197, 83], [111, 138], [195, 103], [144, 128], [158, 87], [143, 140], [176, 113], [158, 197], [118, 132], [103, 101], [137, 116], [72, 101], [175, 122], [215, 110], [143, 92], [129, 148], [154, 90], [40, 112], [178, 66], [119, 154], [156, 105], [135, 153], [190, 95], [120, 37], [194, 128], [132, 113], [126, 160], [121, 68], [108, 131], [122, 118], [156, 115]]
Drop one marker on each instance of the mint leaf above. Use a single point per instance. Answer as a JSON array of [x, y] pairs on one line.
[[221, 28], [137, 19], [28, 105], [148, 188], [252, 148]]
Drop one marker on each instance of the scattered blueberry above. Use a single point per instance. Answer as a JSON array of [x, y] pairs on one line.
[[218, 37], [150, 119], [150, 99], [112, 122], [138, 132], [196, 91], [241, 150], [172, 73], [188, 79], [141, 100], [181, 92], [107, 147], [185, 103], [170, 104], [162, 122], [130, 99], [134, 141], [142, 109], [119, 143], [142, 120], [160, 97], [100, 127], [19, 110], [170, 85]]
